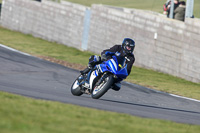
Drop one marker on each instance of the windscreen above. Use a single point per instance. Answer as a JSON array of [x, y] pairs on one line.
[[121, 61]]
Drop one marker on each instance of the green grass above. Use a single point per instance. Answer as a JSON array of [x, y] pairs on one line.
[[141, 76], [152, 5], [36, 46], [25, 115]]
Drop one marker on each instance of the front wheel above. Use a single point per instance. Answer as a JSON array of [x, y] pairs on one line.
[[102, 88], [75, 88]]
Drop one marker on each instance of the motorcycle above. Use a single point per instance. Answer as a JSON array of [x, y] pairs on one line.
[[101, 78]]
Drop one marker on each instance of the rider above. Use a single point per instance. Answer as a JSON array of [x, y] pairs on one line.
[[126, 50]]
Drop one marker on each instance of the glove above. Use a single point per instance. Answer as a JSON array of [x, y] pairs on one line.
[[103, 57]]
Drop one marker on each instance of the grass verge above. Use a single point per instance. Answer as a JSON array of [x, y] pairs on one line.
[[141, 76], [25, 115]]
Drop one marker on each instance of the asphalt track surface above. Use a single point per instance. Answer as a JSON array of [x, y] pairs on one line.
[[33, 77]]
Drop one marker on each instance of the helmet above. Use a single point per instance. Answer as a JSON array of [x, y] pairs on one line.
[[128, 45]]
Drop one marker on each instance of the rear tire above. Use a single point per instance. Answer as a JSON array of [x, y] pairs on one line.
[[75, 88], [100, 90]]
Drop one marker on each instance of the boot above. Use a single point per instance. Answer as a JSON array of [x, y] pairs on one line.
[[86, 70], [116, 86]]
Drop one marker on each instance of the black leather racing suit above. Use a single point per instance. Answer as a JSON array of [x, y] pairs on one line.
[[118, 48]]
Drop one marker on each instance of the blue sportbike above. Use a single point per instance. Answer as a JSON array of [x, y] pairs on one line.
[[101, 78]]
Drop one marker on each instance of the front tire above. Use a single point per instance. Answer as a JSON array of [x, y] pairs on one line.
[[100, 90], [75, 88]]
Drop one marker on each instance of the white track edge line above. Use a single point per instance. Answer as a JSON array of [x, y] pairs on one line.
[[173, 95], [14, 50], [191, 99]]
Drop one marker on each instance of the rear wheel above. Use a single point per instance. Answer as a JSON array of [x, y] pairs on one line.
[[103, 87], [75, 88]]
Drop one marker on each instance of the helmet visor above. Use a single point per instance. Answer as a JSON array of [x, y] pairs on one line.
[[130, 47]]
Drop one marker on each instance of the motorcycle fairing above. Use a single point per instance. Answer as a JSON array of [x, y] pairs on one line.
[[113, 67], [92, 75]]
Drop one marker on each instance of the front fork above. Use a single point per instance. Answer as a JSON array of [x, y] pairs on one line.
[[102, 79], [84, 82]]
